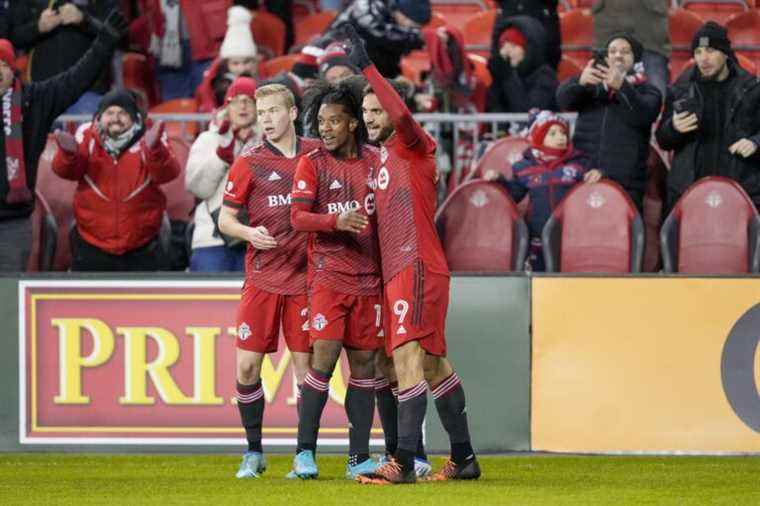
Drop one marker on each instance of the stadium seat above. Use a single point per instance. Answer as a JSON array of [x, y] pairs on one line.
[[284, 63], [44, 236], [138, 76], [716, 10], [311, 26], [500, 156], [481, 229], [596, 228], [415, 66], [477, 32], [188, 130], [583, 4], [457, 12], [745, 63], [269, 33], [179, 202], [713, 229], [59, 194], [683, 25], [568, 68], [654, 199], [577, 31], [744, 32]]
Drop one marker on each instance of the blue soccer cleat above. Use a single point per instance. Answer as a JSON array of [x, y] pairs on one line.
[[422, 468], [252, 466], [304, 466], [365, 468]]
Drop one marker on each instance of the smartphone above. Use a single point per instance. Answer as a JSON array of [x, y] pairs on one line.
[[600, 58], [690, 105]]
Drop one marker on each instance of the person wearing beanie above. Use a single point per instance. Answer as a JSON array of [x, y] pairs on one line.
[[522, 78], [616, 106], [390, 28], [545, 11], [550, 168], [334, 65], [28, 114], [208, 164], [119, 207], [711, 120], [648, 22], [238, 48]]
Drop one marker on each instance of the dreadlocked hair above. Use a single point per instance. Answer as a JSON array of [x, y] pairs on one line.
[[347, 93]]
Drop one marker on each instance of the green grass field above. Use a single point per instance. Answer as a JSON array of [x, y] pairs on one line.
[[529, 479]]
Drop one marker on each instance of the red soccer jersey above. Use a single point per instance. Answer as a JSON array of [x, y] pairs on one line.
[[324, 187], [406, 195], [260, 180]]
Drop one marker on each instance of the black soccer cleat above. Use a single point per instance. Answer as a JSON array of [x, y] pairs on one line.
[[470, 470]]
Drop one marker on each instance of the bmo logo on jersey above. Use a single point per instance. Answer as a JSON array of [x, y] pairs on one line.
[[278, 200], [352, 205]]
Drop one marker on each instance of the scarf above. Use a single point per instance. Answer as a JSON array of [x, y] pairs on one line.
[[167, 48], [634, 77], [552, 158], [115, 145], [15, 165]]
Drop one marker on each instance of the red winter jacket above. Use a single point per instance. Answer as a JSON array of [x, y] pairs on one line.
[[206, 21], [118, 204]]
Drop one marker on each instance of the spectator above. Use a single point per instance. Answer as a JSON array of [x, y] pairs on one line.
[[711, 119], [522, 79], [300, 77], [237, 57], [391, 29], [56, 39], [184, 36], [646, 20], [28, 114], [334, 64], [4, 19], [118, 205], [283, 9], [545, 11], [616, 108], [209, 162], [548, 170]]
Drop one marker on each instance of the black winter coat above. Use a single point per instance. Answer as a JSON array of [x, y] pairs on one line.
[[614, 132], [42, 103], [742, 120], [533, 83], [546, 12]]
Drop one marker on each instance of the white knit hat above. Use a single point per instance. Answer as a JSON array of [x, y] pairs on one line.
[[238, 41]]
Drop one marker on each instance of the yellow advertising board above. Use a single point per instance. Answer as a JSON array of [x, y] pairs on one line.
[[651, 365]]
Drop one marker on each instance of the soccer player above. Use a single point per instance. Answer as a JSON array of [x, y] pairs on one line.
[[274, 292], [333, 197], [416, 280]]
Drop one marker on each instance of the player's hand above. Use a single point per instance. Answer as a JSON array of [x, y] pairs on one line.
[[49, 20], [592, 176], [357, 52], [685, 122], [70, 14], [66, 142], [743, 147], [351, 221], [591, 75], [259, 237]]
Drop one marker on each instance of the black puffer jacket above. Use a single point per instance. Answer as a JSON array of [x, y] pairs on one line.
[[386, 41], [614, 129], [742, 120], [546, 12], [533, 82]]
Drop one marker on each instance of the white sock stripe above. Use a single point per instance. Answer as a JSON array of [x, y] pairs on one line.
[[446, 386], [252, 397], [314, 383], [364, 384], [416, 390], [381, 383], [394, 391]]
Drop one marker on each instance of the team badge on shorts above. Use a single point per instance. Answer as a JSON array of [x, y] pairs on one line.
[[244, 331], [319, 322]]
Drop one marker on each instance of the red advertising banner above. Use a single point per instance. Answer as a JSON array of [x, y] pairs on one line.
[[136, 362]]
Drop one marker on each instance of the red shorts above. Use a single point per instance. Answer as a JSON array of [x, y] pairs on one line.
[[260, 315], [355, 320], [416, 302]]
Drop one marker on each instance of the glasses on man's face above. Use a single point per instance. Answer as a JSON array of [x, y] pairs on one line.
[[243, 101]]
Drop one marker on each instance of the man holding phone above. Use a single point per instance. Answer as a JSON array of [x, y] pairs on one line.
[[710, 120]]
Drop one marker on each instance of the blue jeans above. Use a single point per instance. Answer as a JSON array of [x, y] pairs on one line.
[[217, 259], [181, 82]]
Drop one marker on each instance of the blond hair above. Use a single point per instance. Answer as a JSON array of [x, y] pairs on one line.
[[277, 89]]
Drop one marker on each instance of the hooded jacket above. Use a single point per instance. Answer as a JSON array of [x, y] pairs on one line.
[[741, 121], [545, 11], [533, 83]]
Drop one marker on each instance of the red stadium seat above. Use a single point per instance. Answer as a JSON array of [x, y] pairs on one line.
[[59, 194], [284, 63], [312, 25], [269, 33], [477, 31], [596, 228], [137, 72], [188, 130], [583, 4], [654, 199], [744, 32], [481, 229], [179, 202], [713, 229], [744, 62], [716, 10], [500, 156], [568, 68], [577, 31], [456, 13], [415, 66], [44, 236], [683, 25]]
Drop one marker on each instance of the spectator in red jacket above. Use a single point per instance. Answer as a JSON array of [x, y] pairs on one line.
[[118, 205]]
